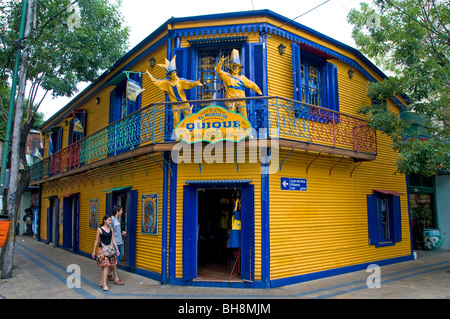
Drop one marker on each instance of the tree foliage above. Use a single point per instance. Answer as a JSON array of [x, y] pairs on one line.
[[62, 55], [411, 40], [63, 45]]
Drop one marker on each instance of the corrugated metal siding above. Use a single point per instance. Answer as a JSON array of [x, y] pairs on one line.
[[191, 171], [279, 68], [144, 175], [326, 226]]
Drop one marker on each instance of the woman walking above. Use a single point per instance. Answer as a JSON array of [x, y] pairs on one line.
[[106, 253]]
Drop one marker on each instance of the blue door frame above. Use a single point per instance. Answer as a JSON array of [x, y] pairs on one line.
[[190, 216]]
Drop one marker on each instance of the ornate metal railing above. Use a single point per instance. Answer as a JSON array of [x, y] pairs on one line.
[[274, 117]]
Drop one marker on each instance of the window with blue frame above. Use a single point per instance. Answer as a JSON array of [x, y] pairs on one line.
[[77, 126], [384, 218], [311, 81], [212, 87], [123, 135], [315, 82]]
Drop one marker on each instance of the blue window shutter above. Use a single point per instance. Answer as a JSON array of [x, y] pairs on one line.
[[247, 233], [111, 106], [131, 228], [185, 61], [189, 233], [258, 68], [109, 203], [372, 218], [67, 222], [254, 67], [296, 71], [396, 218], [331, 87]]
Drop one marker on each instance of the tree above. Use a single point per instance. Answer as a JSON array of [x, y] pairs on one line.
[[66, 42], [411, 40]]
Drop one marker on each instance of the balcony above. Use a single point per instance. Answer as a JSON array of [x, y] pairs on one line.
[[296, 125]]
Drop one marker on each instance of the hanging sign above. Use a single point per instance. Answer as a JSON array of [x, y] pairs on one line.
[[213, 124]]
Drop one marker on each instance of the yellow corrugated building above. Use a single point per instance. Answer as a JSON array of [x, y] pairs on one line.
[[316, 186]]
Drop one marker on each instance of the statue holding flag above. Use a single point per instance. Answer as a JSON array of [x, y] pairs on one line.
[[174, 88]]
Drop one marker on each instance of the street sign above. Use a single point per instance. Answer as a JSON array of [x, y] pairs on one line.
[[293, 184]]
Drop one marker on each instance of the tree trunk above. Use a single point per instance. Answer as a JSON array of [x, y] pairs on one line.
[[13, 199]]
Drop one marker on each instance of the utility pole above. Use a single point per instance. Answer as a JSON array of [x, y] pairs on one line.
[[11, 105]]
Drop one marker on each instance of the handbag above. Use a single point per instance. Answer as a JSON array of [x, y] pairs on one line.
[[108, 250]]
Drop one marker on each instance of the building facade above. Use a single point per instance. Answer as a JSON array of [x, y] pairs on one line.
[[315, 184]]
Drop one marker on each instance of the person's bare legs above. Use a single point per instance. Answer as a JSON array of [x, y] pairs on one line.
[[117, 281], [103, 279]]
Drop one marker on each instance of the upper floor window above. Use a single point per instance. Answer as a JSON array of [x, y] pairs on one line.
[[311, 82], [212, 87], [315, 80]]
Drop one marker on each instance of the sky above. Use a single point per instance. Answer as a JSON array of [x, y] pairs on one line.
[[145, 16]]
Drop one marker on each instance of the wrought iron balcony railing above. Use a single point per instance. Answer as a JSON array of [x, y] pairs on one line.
[[278, 117]]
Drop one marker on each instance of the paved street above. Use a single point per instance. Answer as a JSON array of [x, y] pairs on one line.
[[40, 272]]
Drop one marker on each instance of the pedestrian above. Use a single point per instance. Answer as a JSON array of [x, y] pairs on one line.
[[28, 219], [117, 211], [106, 253]]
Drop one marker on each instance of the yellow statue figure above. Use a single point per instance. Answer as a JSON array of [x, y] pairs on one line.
[[235, 83], [174, 88]]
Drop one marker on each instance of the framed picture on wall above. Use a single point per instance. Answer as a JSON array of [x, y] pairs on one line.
[[93, 213], [149, 214]]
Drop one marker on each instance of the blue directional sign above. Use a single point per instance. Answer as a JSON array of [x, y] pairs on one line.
[[285, 183], [293, 184]]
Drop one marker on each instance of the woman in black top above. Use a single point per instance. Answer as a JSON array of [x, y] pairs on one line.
[[106, 256]]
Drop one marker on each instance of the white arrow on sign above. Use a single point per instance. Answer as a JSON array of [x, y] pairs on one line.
[[285, 183]]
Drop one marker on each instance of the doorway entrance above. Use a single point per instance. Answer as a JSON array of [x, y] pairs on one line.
[[201, 211], [216, 260], [71, 211], [127, 199]]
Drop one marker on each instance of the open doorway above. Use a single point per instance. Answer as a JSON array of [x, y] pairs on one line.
[[216, 261], [121, 199]]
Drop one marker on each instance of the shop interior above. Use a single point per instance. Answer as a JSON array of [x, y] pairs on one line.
[[216, 260]]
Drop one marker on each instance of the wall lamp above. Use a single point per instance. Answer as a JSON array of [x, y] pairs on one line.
[[152, 62], [281, 48], [350, 73], [97, 100]]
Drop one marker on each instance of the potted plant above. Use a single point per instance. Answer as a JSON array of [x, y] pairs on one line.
[[420, 215]]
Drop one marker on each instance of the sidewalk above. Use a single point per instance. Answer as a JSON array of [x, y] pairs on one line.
[[40, 272]]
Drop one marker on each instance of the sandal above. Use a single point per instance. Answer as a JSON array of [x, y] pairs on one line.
[[110, 278], [119, 282], [105, 288]]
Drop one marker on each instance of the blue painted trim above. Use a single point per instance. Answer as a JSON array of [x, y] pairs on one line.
[[268, 28], [173, 223], [391, 243], [219, 284], [276, 30], [336, 271], [164, 220], [409, 215], [286, 158], [149, 274], [265, 222]]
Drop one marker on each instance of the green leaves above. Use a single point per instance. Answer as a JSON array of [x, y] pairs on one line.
[[61, 54], [411, 39]]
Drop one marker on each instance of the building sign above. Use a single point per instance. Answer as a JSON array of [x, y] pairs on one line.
[[213, 124], [293, 184]]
